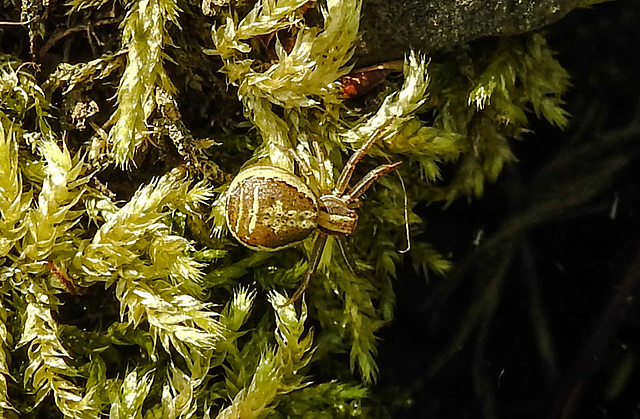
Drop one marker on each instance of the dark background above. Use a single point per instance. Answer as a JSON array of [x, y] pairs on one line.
[[541, 319]]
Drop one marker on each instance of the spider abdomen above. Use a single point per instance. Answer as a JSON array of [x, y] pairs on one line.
[[269, 208]]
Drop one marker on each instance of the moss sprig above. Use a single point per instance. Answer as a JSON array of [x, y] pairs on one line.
[[22, 98], [362, 322], [77, 5], [6, 342], [51, 222], [128, 401], [278, 370], [517, 75], [156, 282], [144, 36], [48, 371], [69, 76], [138, 229], [520, 73], [332, 400], [234, 316], [177, 399], [14, 203], [300, 79], [175, 320]]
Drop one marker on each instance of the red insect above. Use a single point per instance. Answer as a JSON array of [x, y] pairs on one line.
[[362, 80]]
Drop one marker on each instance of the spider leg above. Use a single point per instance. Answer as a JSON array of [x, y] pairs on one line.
[[317, 182], [321, 167], [364, 184], [305, 169], [349, 167], [351, 263], [314, 261], [348, 259]]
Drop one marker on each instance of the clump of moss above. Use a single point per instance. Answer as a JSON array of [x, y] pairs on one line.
[[176, 321]]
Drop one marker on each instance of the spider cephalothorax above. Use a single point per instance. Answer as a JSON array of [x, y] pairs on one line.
[[269, 208]]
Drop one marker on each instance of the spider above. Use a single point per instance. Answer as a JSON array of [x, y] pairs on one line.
[[269, 208]]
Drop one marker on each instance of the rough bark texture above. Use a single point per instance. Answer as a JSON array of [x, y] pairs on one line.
[[392, 28]]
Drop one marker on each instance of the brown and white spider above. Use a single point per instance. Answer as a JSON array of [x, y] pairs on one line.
[[269, 208]]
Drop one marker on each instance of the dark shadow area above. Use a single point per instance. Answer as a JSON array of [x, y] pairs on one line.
[[540, 318]]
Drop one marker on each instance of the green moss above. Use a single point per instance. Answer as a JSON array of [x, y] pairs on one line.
[[138, 303]]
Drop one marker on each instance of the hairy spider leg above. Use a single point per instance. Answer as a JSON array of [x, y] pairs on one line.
[[316, 255], [319, 184], [343, 181], [368, 180], [349, 260], [321, 168], [305, 169]]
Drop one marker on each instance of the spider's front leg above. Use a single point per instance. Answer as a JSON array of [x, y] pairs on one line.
[[364, 184], [343, 181]]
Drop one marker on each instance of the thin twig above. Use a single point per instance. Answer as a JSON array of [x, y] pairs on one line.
[[56, 37], [21, 23]]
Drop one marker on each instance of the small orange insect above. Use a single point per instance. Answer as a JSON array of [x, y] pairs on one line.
[[362, 80]]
